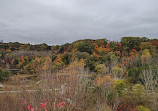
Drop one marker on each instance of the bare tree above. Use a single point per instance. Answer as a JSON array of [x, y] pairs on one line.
[[150, 80]]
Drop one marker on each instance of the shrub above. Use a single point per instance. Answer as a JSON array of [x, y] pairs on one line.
[[126, 107], [120, 85], [142, 108], [4, 74]]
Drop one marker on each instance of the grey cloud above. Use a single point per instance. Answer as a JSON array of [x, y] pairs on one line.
[[62, 21]]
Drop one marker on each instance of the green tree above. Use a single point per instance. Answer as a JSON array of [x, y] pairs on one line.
[[91, 62], [86, 47], [138, 91], [101, 69], [120, 86], [129, 43], [67, 58]]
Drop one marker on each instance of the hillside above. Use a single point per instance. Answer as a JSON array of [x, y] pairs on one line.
[[93, 74]]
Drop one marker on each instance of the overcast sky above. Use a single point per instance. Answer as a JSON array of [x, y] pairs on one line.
[[62, 21]]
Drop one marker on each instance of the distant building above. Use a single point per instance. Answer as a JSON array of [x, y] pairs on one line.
[[1, 41]]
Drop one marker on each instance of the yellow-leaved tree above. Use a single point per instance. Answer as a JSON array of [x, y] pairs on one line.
[[145, 57]]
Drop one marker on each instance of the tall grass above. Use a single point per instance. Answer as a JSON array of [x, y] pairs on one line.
[[72, 88]]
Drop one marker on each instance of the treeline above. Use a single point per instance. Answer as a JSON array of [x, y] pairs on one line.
[[87, 45], [13, 46], [93, 52]]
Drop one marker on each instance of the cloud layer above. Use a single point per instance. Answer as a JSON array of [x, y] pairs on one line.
[[62, 21]]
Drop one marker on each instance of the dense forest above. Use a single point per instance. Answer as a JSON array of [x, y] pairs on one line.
[[117, 76]]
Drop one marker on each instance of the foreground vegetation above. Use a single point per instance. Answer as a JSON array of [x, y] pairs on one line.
[[86, 75]]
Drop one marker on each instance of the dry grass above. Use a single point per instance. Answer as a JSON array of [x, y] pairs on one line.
[[71, 88]]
